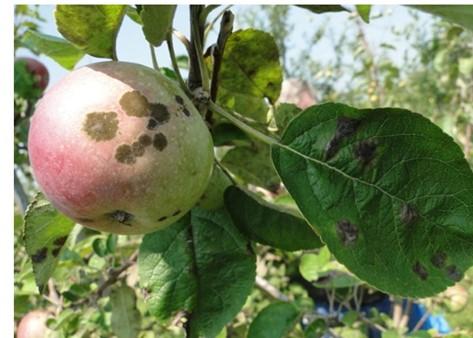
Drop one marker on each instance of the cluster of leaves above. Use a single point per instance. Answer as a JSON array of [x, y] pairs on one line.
[[369, 186]]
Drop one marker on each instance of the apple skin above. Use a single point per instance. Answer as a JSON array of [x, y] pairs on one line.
[[33, 325], [37, 69], [119, 148]]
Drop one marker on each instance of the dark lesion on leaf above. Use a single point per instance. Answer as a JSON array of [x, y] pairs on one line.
[[60, 240], [347, 232], [409, 214], [420, 270], [135, 104], [439, 259], [101, 126], [346, 127], [122, 217], [453, 273], [163, 218], [124, 154], [55, 251], [365, 151], [40, 255], [177, 212]]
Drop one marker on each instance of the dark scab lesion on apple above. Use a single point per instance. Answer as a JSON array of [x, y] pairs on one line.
[[346, 127], [160, 141], [347, 232], [163, 218], [124, 154], [122, 217], [85, 220], [420, 270], [55, 251], [365, 151], [439, 259], [179, 99], [40, 255], [138, 149], [160, 113], [177, 212], [145, 140], [453, 273], [135, 104], [409, 214], [101, 126]]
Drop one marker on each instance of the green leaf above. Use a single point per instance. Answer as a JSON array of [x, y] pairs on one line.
[[268, 224], [126, 318], [252, 164], [61, 51], [319, 9], [92, 28], [336, 279], [133, 14], [316, 329], [284, 113], [157, 22], [201, 265], [389, 193], [274, 321], [364, 12], [100, 247], [250, 73], [46, 232], [313, 266], [458, 14]]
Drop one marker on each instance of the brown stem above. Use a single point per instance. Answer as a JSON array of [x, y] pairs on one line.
[[197, 35]]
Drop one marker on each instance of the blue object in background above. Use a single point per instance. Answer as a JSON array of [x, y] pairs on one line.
[[437, 322]]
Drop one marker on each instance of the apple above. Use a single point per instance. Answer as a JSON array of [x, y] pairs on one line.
[[455, 298], [119, 148], [37, 69], [33, 325]]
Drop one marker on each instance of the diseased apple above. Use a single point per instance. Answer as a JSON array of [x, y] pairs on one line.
[[118, 147], [33, 325], [39, 71]]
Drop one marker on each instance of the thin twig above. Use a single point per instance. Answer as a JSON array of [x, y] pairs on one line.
[[153, 57], [270, 289], [421, 321], [175, 66], [406, 314], [20, 195]]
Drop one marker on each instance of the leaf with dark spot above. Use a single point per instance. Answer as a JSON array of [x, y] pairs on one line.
[[438, 259], [365, 151], [420, 270], [45, 230], [453, 273], [347, 232], [419, 176]]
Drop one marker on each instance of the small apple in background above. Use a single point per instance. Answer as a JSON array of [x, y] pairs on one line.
[[33, 325], [37, 69], [118, 147], [455, 298], [297, 92]]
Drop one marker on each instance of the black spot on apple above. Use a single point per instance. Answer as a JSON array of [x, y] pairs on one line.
[[409, 214], [179, 99], [101, 126], [162, 218], [138, 149], [145, 140], [152, 124], [420, 270], [347, 232], [160, 142], [135, 104], [85, 220], [453, 273], [345, 127], [365, 151], [60, 240], [124, 154], [122, 217], [40, 255], [186, 112], [160, 113], [438, 259], [177, 212]]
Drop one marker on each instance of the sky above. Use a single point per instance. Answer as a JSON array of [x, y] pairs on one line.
[[132, 47]]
